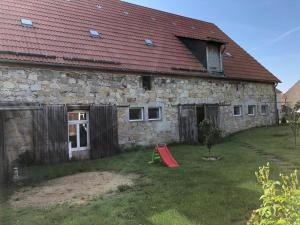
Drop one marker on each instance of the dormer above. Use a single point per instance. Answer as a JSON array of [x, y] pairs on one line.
[[214, 58], [208, 52]]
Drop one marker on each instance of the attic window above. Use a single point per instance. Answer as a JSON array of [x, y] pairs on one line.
[[214, 62], [126, 13], [193, 27], [94, 34], [148, 42], [26, 22], [99, 6]]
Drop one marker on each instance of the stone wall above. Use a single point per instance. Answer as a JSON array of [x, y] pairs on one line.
[[292, 96], [17, 133], [74, 87]]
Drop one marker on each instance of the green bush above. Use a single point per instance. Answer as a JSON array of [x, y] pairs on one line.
[[124, 187], [283, 120], [280, 201]]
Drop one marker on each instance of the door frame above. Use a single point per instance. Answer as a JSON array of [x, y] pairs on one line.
[[191, 135], [78, 123]]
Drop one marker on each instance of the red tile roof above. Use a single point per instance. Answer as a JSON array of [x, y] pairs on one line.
[[60, 36]]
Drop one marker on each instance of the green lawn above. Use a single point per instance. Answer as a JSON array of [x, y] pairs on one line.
[[199, 192]]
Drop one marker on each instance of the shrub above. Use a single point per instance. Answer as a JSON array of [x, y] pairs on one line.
[[26, 159], [211, 134], [124, 187], [280, 201], [294, 124], [283, 120]]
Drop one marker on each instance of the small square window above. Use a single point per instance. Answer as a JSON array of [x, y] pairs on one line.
[[154, 113], [264, 109], [237, 110], [146, 82], [136, 114], [251, 110]]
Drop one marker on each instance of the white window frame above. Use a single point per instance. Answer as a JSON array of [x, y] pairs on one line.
[[77, 123], [160, 113], [254, 110], [142, 111], [267, 107], [241, 110]]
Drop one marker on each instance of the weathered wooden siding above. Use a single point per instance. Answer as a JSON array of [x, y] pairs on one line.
[[212, 114], [103, 131], [3, 156], [188, 129], [50, 136]]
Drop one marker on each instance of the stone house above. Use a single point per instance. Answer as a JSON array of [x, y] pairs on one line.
[[76, 77], [280, 103], [292, 96]]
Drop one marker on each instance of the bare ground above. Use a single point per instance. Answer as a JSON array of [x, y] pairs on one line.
[[74, 189]]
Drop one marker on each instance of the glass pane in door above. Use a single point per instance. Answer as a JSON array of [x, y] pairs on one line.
[[75, 116], [73, 135], [83, 135]]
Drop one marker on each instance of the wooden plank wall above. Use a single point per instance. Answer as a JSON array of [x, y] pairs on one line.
[[188, 129], [103, 131], [4, 168], [50, 138], [212, 114]]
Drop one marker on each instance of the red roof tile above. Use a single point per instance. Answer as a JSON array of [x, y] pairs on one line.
[[61, 32]]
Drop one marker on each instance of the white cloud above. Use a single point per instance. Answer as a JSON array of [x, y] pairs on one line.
[[277, 39]]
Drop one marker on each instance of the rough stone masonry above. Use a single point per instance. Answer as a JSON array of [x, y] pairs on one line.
[[65, 86]]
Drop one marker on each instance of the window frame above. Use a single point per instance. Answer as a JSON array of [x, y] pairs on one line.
[[241, 110], [220, 60], [77, 123], [266, 112], [142, 114], [254, 110], [160, 113]]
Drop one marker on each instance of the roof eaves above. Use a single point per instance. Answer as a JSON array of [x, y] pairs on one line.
[[136, 71]]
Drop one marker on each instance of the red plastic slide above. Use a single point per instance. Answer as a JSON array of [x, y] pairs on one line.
[[166, 156]]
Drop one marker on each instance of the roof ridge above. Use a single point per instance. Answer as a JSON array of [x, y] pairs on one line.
[[165, 12]]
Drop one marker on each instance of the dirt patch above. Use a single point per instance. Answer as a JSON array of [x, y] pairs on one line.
[[74, 189]]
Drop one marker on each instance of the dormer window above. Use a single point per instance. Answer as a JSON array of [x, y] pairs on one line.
[[214, 60], [208, 52]]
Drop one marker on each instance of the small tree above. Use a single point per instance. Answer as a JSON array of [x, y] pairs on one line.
[[280, 201], [211, 134], [294, 123]]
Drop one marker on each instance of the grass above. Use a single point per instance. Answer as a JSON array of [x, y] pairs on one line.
[[197, 193]]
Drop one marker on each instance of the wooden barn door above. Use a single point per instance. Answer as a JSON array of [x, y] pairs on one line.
[[189, 120], [188, 129], [212, 114], [103, 131], [3, 155], [50, 137]]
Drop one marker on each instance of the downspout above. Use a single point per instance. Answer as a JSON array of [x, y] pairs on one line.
[[276, 109]]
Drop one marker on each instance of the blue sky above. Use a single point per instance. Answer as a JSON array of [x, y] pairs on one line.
[[268, 29]]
